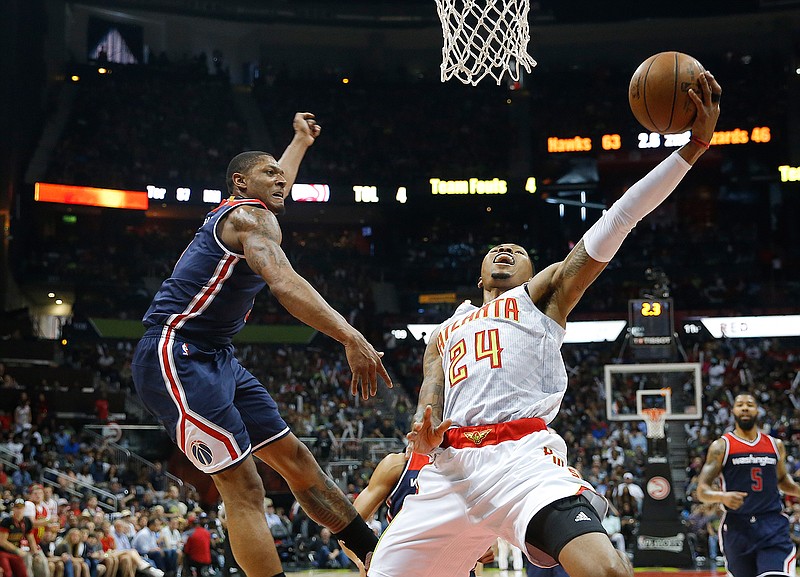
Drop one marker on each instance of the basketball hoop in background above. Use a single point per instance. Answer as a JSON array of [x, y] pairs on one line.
[[655, 419], [484, 37]]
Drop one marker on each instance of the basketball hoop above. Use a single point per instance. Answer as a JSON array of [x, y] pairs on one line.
[[655, 419], [484, 37]]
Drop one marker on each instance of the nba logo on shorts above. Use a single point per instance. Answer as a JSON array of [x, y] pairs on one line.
[[185, 349], [202, 453]]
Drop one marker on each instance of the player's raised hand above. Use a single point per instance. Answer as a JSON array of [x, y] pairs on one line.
[[306, 127], [424, 437], [707, 104], [733, 499], [366, 365]]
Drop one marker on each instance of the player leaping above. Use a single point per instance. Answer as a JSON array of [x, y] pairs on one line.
[[495, 374]]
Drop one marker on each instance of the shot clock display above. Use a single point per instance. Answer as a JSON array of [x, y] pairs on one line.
[[650, 322]]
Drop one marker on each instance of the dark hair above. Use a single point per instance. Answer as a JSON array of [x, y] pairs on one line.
[[242, 163], [748, 394]]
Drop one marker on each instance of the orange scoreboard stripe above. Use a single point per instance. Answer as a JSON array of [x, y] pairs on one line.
[[86, 195]]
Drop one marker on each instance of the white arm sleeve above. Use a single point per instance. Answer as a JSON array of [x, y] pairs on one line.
[[603, 240]]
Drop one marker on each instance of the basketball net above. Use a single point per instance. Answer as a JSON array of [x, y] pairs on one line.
[[484, 37], [655, 419]]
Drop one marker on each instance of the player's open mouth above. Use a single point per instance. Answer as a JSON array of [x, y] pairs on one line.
[[504, 258]]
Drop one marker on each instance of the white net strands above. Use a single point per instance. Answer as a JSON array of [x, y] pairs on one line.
[[484, 37], [655, 420]]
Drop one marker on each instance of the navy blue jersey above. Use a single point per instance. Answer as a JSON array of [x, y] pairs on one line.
[[211, 290], [751, 467], [406, 485]]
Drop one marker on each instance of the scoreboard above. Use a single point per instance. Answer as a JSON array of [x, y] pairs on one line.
[[568, 163], [651, 322]]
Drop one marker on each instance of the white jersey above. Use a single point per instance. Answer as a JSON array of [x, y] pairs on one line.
[[502, 362]]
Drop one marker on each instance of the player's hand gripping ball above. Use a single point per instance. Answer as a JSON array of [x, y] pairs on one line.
[[659, 92]]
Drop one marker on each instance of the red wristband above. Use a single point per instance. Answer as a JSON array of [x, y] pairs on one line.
[[702, 143]]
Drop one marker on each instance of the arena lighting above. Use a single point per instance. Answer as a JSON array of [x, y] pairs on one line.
[[470, 186], [593, 331], [753, 327], [311, 193], [577, 332], [650, 140], [88, 196], [789, 173]]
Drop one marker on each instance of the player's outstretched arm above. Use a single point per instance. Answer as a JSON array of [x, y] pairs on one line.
[[708, 474], [259, 234], [785, 481], [381, 482], [565, 282], [306, 131]]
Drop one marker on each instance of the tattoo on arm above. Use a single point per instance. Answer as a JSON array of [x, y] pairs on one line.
[[432, 390], [575, 260], [326, 504], [712, 466], [571, 279], [264, 255], [260, 236]]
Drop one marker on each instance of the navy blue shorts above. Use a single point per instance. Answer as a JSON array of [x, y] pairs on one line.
[[757, 545], [212, 407]]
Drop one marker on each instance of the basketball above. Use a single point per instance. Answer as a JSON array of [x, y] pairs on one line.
[[659, 92]]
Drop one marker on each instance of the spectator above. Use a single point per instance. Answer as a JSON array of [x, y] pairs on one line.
[[147, 545], [17, 541], [93, 555], [21, 478], [71, 549], [173, 506], [196, 548], [274, 522], [130, 556], [55, 564], [23, 416], [37, 512], [101, 407], [158, 478], [171, 540], [631, 488], [146, 542], [613, 526], [327, 552]]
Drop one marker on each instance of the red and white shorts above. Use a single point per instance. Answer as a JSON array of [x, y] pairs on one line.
[[489, 482]]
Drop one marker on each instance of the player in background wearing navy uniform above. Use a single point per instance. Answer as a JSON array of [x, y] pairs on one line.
[[185, 371], [754, 532], [394, 479]]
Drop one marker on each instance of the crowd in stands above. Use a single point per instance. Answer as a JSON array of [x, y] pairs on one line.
[[122, 123], [309, 385], [151, 125]]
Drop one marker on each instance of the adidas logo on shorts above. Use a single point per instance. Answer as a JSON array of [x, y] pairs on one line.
[[582, 517]]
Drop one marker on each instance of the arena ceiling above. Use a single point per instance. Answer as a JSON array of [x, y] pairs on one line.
[[420, 13]]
